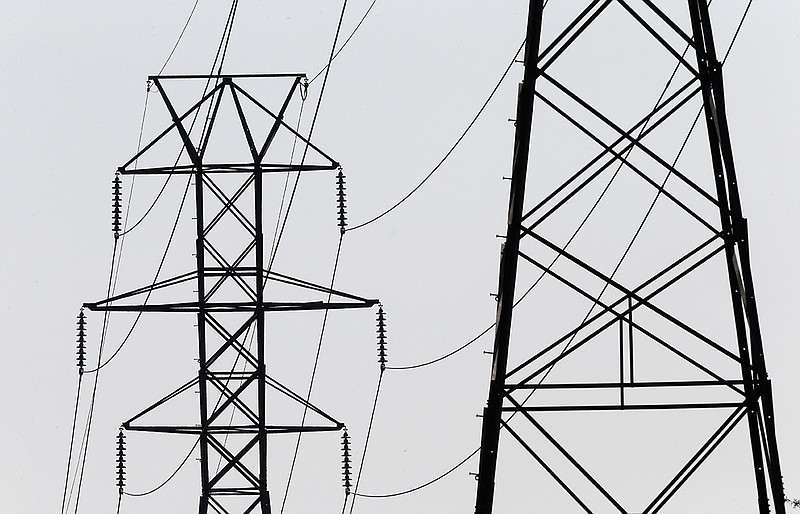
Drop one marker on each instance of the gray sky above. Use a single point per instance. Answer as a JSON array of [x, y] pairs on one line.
[[398, 96]]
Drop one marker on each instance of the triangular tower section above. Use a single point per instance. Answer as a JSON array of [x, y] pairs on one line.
[[295, 295], [272, 144]]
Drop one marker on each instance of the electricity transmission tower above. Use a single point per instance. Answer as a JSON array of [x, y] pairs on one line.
[[632, 372], [244, 139]]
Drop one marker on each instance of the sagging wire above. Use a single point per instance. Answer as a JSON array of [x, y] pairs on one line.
[[353, 33], [338, 251], [313, 374], [426, 484], [310, 133], [170, 477], [452, 148], [81, 358], [366, 445], [77, 480]]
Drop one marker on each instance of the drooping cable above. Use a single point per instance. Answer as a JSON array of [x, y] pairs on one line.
[[310, 133], [81, 362], [180, 36], [452, 148], [170, 477], [313, 374], [353, 33], [426, 484], [84, 449], [366, 443]]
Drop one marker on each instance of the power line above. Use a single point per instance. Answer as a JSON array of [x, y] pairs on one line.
[[366, 441], [310, 133], [358, 25], [426, 484], [450, 151], [313, 374], [180, 36]]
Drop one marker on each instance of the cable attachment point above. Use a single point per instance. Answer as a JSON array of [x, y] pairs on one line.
[[346, 473], [121, 461], [304, 89], [381, 338], [81, 342], [340, 201], [116, 216]]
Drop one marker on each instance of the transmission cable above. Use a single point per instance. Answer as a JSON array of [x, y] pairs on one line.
[[353, 33], [426, 484], [84, 449], [366, 444], [339, 246], [71, 443], [313, 373], [180, 36], [310, 133], [452, 148]]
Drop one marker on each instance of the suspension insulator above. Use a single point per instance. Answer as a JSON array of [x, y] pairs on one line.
[[81, 341], [116, 205], [121, 461], [346, 473], [340, 201], [382, 338]]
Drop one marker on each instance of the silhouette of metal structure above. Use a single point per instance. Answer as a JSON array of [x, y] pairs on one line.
[[650, 314], [234, 282]]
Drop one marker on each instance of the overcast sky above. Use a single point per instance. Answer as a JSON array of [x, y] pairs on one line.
[[406, 86]]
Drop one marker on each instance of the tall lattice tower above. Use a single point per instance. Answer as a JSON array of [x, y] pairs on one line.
[[230, 142], [636, 380]]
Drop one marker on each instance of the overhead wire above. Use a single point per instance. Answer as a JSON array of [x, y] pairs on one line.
[[170, 477], [426, 484], [450, 151], [219, 57], [353, 33], [339, 246], [313, 374], [72, 442], [366, 444], [180, 36], [310, 133], [83, 451]]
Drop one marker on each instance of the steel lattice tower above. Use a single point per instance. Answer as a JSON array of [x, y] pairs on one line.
[[658, 347], [234, 281]]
